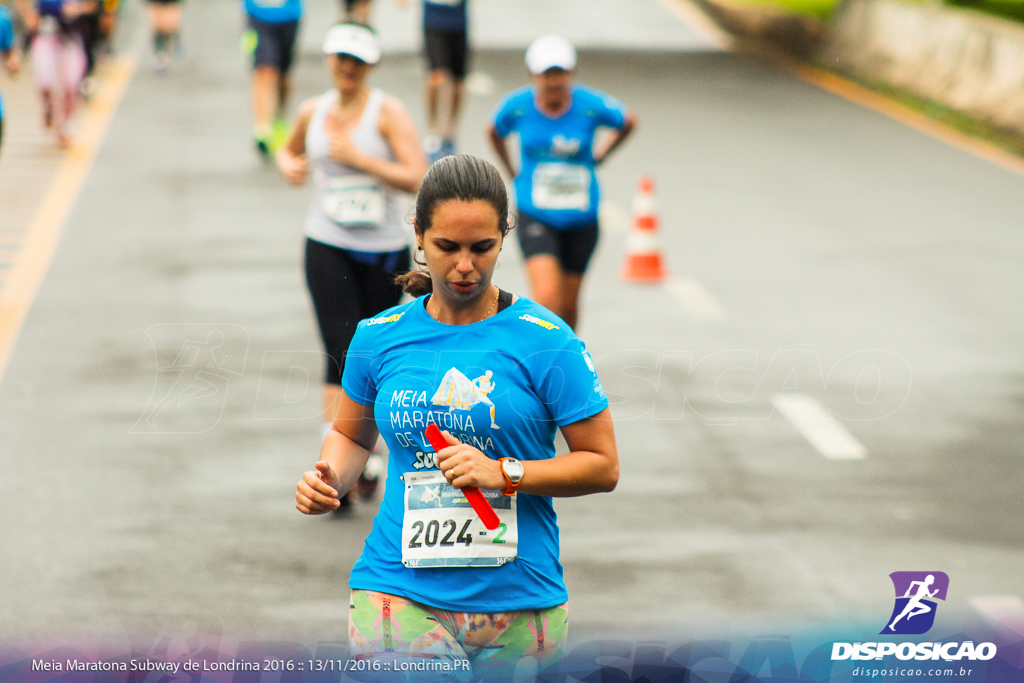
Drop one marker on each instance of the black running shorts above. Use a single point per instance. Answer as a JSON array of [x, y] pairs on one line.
[[446, 51], [573, 248], [275, 44]]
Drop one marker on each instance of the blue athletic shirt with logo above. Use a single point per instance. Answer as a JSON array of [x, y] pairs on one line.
[[541, 379], [6, 41], [566, 141], [274, 11], [445, 15]]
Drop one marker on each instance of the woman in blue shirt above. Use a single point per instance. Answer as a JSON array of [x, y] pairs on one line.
[[556, 187], [499, 375]]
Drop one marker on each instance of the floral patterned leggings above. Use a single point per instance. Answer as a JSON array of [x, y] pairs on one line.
[[402, 636]]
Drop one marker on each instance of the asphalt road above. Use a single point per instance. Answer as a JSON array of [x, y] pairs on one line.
[[817, 249]]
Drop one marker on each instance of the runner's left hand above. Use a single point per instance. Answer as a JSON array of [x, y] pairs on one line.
[[463, 465], [343, 150]]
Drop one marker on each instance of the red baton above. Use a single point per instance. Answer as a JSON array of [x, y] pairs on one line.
[[472, 493]]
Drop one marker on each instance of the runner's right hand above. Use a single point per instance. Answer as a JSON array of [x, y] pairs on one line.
[[294, 168], [318, 490]]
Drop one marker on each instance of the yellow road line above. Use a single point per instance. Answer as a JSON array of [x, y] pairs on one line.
[[44, 231], [894, 110]]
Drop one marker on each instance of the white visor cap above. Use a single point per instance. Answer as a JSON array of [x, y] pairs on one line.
[[549, 52], [351, 39]]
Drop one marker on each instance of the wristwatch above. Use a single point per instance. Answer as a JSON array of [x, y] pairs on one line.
[[513, 471]]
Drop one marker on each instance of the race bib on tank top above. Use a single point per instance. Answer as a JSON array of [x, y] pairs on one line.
[[354, 200]]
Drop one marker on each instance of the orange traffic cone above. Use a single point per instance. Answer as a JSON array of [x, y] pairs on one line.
[[643, 250]]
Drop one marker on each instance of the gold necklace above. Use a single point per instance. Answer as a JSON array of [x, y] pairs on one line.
[[490, 311], [494, 306]]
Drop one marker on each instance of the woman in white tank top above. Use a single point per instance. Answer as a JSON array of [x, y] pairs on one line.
[[363, 150]]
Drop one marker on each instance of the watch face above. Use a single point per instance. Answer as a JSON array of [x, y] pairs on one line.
[[514, 469]]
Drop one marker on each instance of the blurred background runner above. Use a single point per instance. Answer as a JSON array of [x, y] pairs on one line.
[[356, 11], [165, 19], [55, 33], [273, 28], [556, 187], [446, 46], [10, 55]]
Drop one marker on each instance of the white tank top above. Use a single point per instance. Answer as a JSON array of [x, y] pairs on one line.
[[352, 209]]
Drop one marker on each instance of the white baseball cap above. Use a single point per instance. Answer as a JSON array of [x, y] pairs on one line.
[[549, 52], [352, 39]]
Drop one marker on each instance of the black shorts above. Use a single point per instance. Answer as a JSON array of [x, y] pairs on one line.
[[446, 51], [275, 44], [573, 248], [347, 287]]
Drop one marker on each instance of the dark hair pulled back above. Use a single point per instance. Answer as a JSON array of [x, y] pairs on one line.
[[462, 177]]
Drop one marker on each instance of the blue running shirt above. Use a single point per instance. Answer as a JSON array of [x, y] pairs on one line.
[[274, 11], [415, 371], [556, 184], [445, 15], [6, 41]]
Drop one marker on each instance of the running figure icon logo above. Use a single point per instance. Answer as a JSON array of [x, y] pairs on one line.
[[459, 392], [916, 593], [195, 367]]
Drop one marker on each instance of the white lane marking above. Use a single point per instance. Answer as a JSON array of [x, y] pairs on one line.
[[1005, 610], [816, 425], [695, 299]]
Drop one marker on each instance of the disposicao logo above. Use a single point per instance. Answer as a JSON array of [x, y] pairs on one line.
[[916, 593], [914, 614]]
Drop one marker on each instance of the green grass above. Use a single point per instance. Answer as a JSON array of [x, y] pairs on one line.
[[822, 9], [815, 8], [1007, 9]]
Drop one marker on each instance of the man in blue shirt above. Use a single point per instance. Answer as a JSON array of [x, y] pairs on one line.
[[273, 27], [446, 44], [556, 188]]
